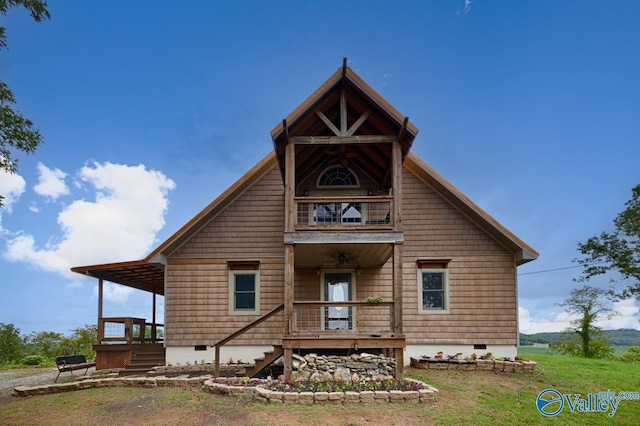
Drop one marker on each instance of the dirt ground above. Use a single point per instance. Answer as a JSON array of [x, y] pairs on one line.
[[175, 406]]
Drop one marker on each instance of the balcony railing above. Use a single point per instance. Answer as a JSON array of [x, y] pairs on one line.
[[343, 211], [322, 318], [127, 330]]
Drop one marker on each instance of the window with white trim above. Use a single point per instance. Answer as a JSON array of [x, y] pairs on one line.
[[433, 287], [244, 288]]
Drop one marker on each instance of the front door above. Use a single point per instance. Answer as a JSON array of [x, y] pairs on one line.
[[338, 287]]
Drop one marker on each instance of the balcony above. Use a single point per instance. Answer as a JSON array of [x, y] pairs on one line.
[[343, 213], [316, 319]]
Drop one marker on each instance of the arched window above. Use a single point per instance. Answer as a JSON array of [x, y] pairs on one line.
[[338, 176]]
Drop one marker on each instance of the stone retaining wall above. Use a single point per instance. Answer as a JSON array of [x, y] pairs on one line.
[[209, 384], [326, 367], [426, 396], [473, 365], [88, 383]]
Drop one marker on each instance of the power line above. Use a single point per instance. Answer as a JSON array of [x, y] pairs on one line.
[[559, 269]]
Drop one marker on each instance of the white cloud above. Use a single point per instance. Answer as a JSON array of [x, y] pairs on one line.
[[530, 325], [465, 9], [119, 224], [116, 293], [628, 318], [11, 187], [50, 183]]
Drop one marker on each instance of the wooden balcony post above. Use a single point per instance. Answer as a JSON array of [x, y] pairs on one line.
[[217, 362], [288, 363], [396, 157], [289, 188], [397, 288], [289, 269]]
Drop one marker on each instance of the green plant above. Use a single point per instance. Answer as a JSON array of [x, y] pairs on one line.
[[33, 360], [374, 299], [632, 355]]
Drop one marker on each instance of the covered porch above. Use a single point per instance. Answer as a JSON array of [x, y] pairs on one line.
[[129, 343]]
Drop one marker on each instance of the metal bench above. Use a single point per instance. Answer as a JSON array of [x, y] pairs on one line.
[[70, 363]]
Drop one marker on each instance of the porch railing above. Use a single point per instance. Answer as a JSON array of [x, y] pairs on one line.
[[343, 211], [325, 318], [128, 330], [240, 332]]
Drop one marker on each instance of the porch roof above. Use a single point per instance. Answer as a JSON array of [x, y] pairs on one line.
[[139, 274]]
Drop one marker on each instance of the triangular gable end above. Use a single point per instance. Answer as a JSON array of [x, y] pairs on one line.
[[347, 120]]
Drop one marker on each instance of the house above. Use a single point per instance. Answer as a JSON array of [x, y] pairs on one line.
[[340, 239]]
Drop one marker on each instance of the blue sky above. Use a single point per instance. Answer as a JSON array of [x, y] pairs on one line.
[[151, 109]]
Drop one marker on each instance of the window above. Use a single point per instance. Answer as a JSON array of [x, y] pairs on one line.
[[244, 289], [433, 287], [338, 176]]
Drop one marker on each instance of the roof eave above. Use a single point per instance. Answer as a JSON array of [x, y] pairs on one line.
[[522, 251]]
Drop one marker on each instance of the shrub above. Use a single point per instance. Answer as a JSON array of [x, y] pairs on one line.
[[632, 355], [33, 360]]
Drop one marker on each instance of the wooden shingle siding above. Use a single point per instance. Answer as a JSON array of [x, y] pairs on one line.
[[431, 223], [482, 287], [251, 226], [197, 304], [197, 279]]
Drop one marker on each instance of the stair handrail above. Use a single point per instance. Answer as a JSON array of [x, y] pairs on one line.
[[241, 331]]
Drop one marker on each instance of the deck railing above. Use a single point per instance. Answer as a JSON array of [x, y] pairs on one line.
[[128, 330], [343, 211], [328, 318]]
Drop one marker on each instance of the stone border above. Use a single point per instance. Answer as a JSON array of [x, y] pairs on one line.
[[473, 365], [132, 381], [425, 396], [209, 384]]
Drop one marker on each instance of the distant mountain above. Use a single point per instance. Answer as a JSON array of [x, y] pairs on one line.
[[621, 337]]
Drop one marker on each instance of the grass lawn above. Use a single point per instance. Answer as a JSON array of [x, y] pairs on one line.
[[476, 397]]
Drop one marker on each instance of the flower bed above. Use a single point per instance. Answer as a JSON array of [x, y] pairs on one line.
[[319, 392], [475, 364]]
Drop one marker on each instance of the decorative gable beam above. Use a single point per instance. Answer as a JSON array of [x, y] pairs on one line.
[[336, 140], [328, 123], [358, 123], [343, 112]]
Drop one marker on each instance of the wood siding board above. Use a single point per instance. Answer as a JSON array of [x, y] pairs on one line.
[[482, 296]]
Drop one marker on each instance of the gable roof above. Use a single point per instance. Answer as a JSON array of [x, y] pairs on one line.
[[344, 118]]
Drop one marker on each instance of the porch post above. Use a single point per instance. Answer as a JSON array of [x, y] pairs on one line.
[[396, 159], [399, 355], [153, 320], [290, 210], [397, 289], [100, 324]]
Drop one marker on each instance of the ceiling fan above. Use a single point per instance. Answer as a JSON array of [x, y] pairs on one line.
[[341, 154], [343, 259]]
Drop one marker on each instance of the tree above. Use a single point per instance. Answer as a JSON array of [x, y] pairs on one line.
[[16, 132], [82, 340], [584, 338], [45, 343], [618, 251], [11, 344]]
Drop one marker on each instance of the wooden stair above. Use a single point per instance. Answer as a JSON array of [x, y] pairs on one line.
[[265, 361], [144, 358]]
